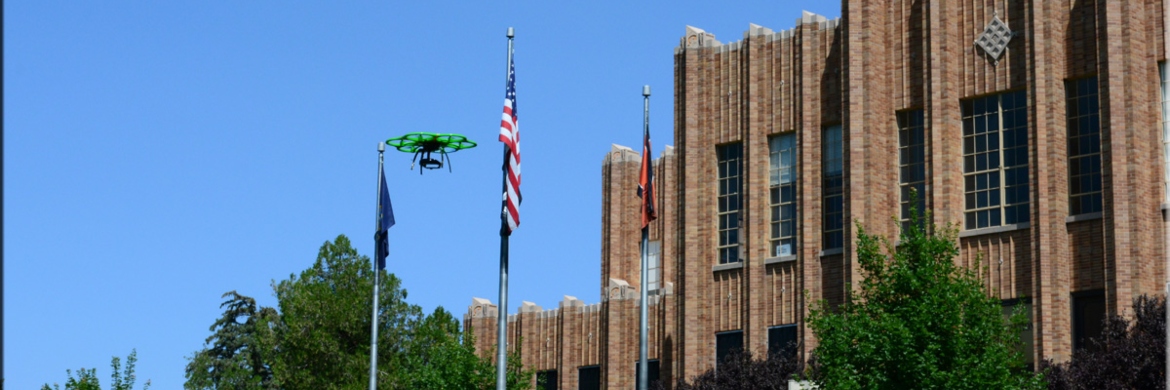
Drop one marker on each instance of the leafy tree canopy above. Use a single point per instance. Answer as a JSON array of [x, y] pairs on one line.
[[87, 379], [324, 327], [918, 321], [320, 336]]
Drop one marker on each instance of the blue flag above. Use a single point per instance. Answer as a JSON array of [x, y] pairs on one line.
[[385, 221]]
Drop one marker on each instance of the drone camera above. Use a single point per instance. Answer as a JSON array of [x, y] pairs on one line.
[[430, 163]]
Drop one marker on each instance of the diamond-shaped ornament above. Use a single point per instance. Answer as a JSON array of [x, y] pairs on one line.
[[995, 38]]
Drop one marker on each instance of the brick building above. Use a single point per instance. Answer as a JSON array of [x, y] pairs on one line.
[[1038, 128]]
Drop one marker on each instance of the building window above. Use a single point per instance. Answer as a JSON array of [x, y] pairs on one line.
[[911, 162], [1084, 146], [782, 189], [654, 267], [1165, 73], [1088, 318], [1025, 337], [546, 380], [651, 371], [782, 341], [727, 344], [589, 378], [995, 160], [729, 158], [833, 166]]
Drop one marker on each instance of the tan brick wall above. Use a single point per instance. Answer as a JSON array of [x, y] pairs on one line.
[[1003, 260], [881, 57], [1087, 249]]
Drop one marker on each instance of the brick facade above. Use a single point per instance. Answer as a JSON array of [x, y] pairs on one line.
[[881, 57]]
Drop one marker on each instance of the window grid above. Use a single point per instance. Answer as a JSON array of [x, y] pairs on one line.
[[995, 160], [729, 157], [911, 161], [782, 194], [834, 186], [1084, 146], [1165, 73], [654, 268]]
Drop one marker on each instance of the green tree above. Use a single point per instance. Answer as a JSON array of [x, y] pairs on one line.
[[436, 358], [918, 322], [87, 378], [320, 337], [240, 350], [323, 336], [439, 356]]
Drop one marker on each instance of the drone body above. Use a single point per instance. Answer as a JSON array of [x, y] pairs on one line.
[[424, 144]]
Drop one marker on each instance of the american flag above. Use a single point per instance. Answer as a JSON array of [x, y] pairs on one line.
[[510, 136]]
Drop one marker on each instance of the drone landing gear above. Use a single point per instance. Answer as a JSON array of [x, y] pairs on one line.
[[427, 162]]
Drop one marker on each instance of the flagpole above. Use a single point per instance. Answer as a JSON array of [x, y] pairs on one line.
[[374, 327], [643, 321], [502, 310]]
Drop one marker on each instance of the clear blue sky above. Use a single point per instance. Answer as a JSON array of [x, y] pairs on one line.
[[159, 154]]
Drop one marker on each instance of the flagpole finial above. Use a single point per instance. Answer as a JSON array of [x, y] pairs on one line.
[[646, 90], [381, 147], [511, 32]]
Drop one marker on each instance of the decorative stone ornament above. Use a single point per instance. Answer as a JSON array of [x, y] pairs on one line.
[[995, 38]]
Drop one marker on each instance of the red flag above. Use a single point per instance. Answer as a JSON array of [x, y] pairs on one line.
[[646, 183]]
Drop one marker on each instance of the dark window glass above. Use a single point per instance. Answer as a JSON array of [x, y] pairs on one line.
[[729, 157], [995, 160], [833, 175], [651, 371], [912, 162], [546, 380], [589, 378], [727, 343], [782, 341], [1088, 312], [1084, 146]]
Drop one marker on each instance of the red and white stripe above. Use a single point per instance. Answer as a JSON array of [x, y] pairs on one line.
[[510, 136]]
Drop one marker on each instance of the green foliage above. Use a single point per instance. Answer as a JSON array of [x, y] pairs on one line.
[[919, 321], [87, 379], [320, 338], [438, 358], [241, 348], [324, 327], [515, 377]]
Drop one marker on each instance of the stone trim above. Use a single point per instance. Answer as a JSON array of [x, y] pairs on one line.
[[779, 259], [728, 266], [993, 230], [1083, 217]]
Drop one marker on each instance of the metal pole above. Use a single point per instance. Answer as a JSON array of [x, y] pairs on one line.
[[374, 327], [502, 310], [643, 321]]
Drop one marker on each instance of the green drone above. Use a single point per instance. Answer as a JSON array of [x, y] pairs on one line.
[[423, 144]]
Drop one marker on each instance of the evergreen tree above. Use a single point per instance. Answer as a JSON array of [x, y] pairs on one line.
[[240, 351]]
